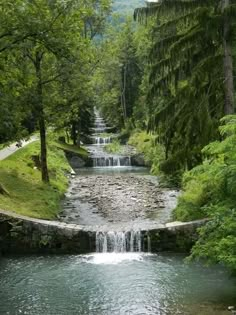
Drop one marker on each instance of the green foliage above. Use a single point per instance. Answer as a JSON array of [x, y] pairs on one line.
[[184, 80], [114, 147], [117, 77], [147, 144], [47, 57], [210, 192], [21, 178]]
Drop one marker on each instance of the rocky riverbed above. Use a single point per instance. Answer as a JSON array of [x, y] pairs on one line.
[[121, 198]]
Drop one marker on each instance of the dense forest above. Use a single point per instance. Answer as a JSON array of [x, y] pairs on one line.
[[164, 79]]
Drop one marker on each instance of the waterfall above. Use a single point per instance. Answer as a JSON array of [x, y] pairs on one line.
[[119, 242], [102, 141], [108, 161], [100, 137]]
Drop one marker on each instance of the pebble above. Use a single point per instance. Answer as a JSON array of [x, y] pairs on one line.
[[119, 198]]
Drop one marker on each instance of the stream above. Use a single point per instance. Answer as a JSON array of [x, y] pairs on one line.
[[117, 199], [113, 194], [112, 284]]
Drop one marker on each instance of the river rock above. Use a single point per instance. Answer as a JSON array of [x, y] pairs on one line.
[[116, 198]]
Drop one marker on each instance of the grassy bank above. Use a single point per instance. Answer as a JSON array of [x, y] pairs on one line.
[[71, 148], [146, 143], [21, 179]]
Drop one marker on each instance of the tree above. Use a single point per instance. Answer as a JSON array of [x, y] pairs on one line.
[[48, 39], [118, 74], [187, 81], [209, 191], [50, 30], [228, 60]]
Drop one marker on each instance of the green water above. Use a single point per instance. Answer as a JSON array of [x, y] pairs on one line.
[[112, 284]]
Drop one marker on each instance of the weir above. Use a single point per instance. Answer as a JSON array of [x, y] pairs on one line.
[[102, 140], [116, 161], [119, 242], [100, 157], [20, 234]]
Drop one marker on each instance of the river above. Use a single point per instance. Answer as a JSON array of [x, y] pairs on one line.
[[119, 279], [113, 284]]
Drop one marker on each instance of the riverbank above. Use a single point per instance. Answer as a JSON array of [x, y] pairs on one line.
[[23, 191]]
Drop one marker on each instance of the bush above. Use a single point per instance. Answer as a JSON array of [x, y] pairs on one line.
[[210, 191], [114, 147], [147, 144]]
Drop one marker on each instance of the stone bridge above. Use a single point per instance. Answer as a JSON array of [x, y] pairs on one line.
[[24, 235]]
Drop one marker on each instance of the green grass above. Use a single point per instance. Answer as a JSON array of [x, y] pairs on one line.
[[22, 180], [72, 148]]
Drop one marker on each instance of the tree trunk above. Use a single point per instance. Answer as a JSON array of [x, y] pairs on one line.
[[41, 119], [74, 133], [228, 65], [124, 92]]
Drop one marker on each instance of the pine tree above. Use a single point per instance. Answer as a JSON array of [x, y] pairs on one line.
[[191, 77]]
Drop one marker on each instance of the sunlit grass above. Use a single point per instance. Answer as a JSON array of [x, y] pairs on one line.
[[22, 180]]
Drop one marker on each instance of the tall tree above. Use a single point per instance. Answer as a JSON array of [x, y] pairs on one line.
[[191, 39], [228, 61], [48, 23], [118, 76]]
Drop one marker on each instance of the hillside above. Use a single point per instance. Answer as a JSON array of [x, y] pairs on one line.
[[126, 7]]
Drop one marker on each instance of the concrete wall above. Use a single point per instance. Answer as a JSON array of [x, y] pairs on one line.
[[21, 235]]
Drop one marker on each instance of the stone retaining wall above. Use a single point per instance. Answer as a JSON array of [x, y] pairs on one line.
[[175, 236], [21, 235]]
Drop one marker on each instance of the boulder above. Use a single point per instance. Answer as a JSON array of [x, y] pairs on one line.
[[138, 160], [76, 162]]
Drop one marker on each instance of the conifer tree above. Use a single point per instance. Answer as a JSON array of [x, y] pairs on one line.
[[191, 76]]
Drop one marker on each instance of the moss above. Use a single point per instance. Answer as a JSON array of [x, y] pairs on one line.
[[27, 194]]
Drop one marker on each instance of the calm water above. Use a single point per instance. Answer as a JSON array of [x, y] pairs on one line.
[[113, 170], [112, 284]]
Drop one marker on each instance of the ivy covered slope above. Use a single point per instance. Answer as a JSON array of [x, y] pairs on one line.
[[23, 191], [210, 191]]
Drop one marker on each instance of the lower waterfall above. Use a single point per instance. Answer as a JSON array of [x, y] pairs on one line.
[[119, 242]]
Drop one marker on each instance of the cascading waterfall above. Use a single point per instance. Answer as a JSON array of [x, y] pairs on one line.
[[99, 157], [108, 161], [119, 242], [102, 141]]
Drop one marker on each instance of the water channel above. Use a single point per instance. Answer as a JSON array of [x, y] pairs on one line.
[[119, 279]]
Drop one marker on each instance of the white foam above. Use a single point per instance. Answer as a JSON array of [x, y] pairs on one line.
[[113, 258]]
